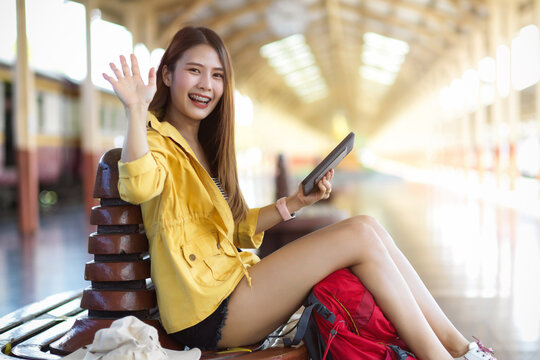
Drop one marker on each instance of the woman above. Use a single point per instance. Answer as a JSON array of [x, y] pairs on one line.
[[180, 166]]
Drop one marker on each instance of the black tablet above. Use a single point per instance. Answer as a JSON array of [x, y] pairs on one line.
[[329, 162]]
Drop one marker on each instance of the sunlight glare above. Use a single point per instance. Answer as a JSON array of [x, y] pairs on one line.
[[526, 58]]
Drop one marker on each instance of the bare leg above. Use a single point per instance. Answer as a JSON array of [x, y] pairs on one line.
[[447, 333], [282, 280]]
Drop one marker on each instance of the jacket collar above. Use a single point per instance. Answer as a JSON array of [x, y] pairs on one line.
[[168, 130]]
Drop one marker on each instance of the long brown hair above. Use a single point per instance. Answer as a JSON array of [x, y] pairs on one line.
[[216, 132]]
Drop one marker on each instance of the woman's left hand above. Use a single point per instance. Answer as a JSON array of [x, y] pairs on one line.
[[323, 192]]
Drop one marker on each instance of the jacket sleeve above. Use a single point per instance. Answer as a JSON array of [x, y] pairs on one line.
[[142, 179], [244, 232]]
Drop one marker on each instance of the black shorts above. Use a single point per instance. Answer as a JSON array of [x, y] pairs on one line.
[[206, 334]]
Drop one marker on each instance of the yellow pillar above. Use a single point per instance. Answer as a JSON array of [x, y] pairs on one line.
[[25, 120], [90, 140]]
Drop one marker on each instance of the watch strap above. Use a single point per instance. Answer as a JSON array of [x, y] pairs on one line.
[[281, 206]]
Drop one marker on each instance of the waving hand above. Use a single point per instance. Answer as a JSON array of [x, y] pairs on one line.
[[129, 86], [136, 97]]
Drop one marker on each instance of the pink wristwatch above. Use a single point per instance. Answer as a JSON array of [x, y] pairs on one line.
[[281, 205]]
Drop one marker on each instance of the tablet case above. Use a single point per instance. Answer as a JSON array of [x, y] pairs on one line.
[[329, 162]]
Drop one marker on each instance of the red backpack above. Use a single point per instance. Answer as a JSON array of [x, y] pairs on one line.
[[347, 324]]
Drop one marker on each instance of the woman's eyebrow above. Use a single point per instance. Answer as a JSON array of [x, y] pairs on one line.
[[201, 65]]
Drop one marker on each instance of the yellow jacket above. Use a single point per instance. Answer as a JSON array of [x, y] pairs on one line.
[[190, 228]]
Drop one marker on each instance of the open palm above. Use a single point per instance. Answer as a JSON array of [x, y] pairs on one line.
[[128, 84]]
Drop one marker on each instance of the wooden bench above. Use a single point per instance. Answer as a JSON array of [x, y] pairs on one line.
[[120, 286], [29, 332]]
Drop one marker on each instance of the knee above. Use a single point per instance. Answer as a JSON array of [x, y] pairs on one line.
[[378, 228], [368, 220], [362, 223], [363, 237]]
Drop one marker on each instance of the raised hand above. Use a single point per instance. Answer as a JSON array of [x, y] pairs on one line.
[[129, 86]]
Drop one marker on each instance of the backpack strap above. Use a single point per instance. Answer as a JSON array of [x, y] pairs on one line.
[[301, 327], [401, 354], [321, 309], [312, 303]]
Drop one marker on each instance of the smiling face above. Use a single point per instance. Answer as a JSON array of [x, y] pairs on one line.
[[196, 84]]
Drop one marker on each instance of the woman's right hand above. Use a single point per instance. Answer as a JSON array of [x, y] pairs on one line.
[[129, 86]]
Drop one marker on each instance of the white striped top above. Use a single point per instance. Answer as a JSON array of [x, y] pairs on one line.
[[218, 184]]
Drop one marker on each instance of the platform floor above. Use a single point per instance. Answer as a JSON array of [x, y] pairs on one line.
[[480, 261]]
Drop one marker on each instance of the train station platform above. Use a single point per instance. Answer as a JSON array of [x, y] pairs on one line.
[[480, 260]]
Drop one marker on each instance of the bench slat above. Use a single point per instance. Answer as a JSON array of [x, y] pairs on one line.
[[33, 347], [299, 353], [33, 310], [39, 324]]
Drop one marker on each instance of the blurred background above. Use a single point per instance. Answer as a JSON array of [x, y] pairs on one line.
[[443, 96]]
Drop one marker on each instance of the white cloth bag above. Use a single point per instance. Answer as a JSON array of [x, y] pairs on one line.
[[131, 339]]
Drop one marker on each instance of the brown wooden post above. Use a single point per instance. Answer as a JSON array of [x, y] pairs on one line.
[[90, 121], [120, 271], [282, 186], [27, 176]]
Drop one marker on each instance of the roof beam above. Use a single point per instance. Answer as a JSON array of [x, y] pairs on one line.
[[226, 19], [391, 20], [166, 6], [345, 78], [245, 54], [171, 29], [238, 39]]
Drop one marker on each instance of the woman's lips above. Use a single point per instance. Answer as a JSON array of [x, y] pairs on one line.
[[199, 100]]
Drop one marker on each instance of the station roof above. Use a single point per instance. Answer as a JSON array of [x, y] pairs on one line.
[[363, 74]]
